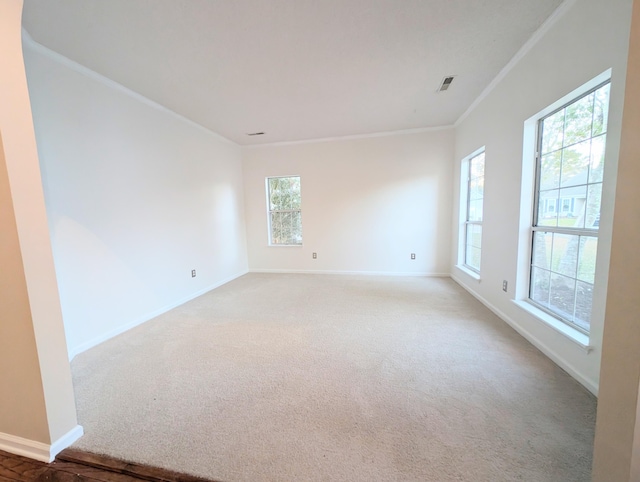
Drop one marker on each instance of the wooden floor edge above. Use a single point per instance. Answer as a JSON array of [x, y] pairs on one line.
[[144, 472]]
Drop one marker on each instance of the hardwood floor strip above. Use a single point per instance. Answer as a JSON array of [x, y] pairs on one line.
[[143, 472], [92, 473], [21, 469]]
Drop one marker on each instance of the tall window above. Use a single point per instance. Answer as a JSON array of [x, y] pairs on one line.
[[473, 171], [570, 162], [285, 216]]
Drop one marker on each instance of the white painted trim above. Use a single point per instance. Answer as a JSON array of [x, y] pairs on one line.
[[25, 447], [524, 50], [585, 381], [39, 450], [66, 440], [570, 333], [351, 137], [28, 41], [473, 276], [366, 273], [121, 329]]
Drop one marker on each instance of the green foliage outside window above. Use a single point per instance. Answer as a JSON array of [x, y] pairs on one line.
[[285, 215]]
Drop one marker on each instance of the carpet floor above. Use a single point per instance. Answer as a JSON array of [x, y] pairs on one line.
[[321, 377]]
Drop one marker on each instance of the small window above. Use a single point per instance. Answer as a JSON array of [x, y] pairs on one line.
[[284, 212], [570, 163], [472, 197]]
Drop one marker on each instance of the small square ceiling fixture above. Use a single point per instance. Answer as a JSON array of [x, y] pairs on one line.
[[446, 82]]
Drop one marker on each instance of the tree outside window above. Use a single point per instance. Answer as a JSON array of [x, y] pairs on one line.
[[284, 211]]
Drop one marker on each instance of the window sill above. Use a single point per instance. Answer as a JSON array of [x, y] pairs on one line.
[[468, 272], [572, 334], [284, 246]]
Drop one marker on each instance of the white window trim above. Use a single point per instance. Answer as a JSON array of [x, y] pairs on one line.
[[268, 204], [462, 218], [527, 190]]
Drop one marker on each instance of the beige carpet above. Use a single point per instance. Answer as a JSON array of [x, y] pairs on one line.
[[346, 378]]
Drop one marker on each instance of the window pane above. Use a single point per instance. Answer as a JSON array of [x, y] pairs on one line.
[[474, 235], [601, 110], [274, 194], [542, 249], [286, 228], [563, 295], [295, 193], [547, 208], [587, 259], [576, 198], [584, 303], [552, 132], [575, 164], [296, 228], [594, 196], [476, 166], [540, 280], [597, 159], [475, 210], [564, 258], [476, 189], [472, 257], [578, 120], [276, 227], [550, 171]]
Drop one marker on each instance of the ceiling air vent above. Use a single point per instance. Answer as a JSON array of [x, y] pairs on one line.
[[446, 82], [255, 133]]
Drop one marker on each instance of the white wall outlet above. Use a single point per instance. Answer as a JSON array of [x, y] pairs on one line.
[[504, 285], [315, 255], [413, 255], [193, 273]]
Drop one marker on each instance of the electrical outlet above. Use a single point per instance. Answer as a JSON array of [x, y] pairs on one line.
[[413, 255], [504, 286], [193, 273], [315, 255]]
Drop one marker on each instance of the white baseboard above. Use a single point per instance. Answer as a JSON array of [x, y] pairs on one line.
[[121, 329], [39, 450], [535, 341], [365, 273]]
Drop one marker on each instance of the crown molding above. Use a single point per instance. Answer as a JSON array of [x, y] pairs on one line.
[[351, 137], [29, 42], [529, 44]]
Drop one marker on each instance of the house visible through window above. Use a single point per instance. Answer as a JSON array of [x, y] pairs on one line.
[[473, 171], [570, 162], [285, 215]]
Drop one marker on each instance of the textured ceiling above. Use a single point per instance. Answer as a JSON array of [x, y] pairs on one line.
[[295, 69]]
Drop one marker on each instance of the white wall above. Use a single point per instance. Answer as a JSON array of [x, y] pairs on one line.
[[589, 38], [136, 198], [367, 204]]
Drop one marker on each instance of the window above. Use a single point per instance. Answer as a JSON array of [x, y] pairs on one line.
[[472, 199], [285, 216], [570, 162]]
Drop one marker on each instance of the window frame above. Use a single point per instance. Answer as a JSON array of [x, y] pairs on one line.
[[271, 211], [465, 222], [558, 204]]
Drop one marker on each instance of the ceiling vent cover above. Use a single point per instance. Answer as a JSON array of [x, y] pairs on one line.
[[255, 134], [446, 82]]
